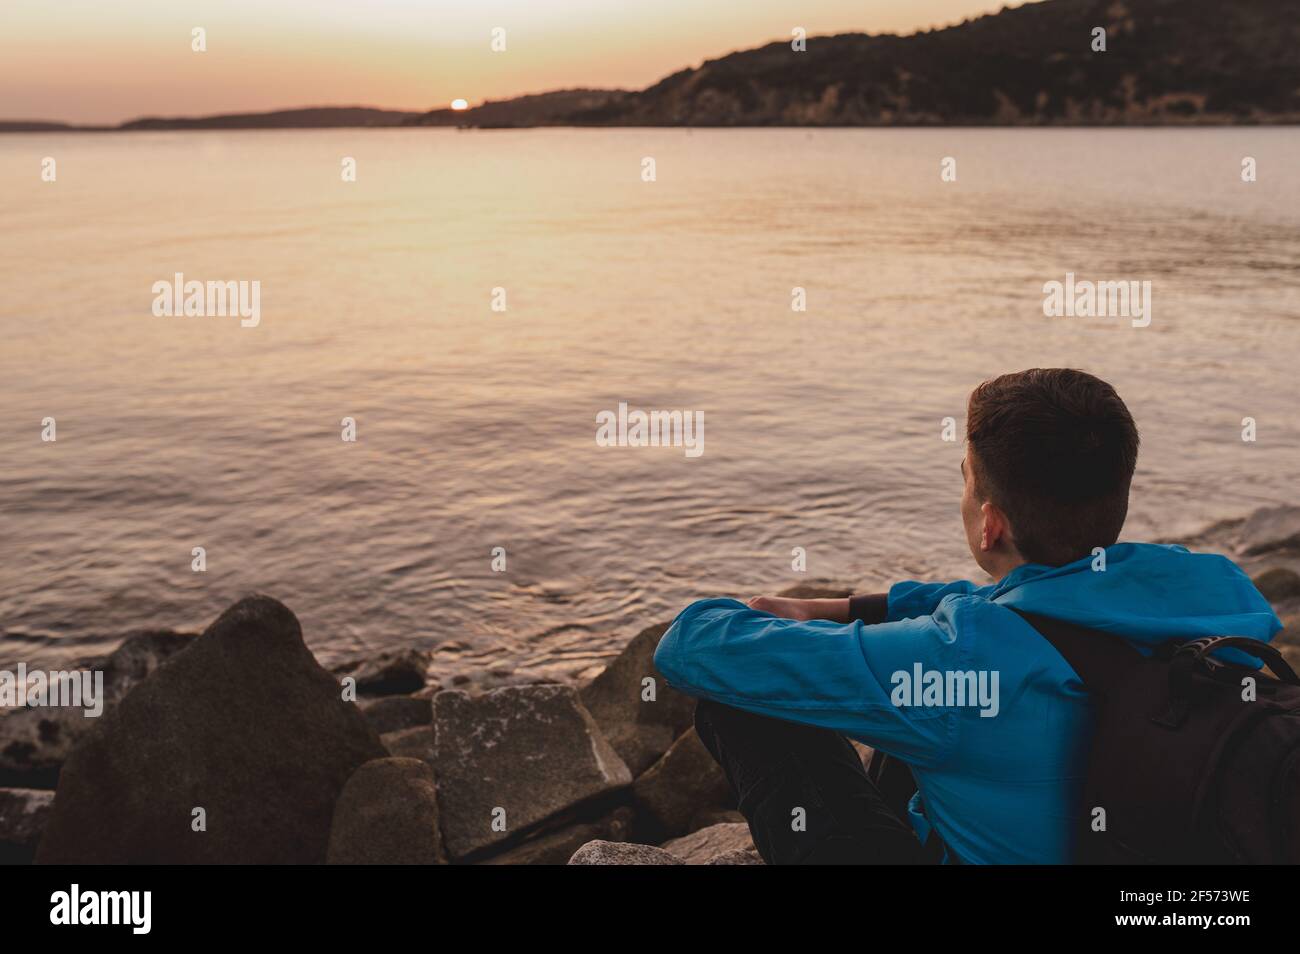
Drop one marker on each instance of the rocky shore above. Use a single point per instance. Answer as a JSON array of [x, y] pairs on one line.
[[236, 746]]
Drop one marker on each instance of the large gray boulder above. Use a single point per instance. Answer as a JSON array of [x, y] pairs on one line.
[[387, 815], [639, 729], [34, 743], [618, 853], [511, 758], [24, 813], [681, 786], [242, 725]]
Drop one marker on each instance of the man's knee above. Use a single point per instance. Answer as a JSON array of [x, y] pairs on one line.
[[718, 718], [723, 728]]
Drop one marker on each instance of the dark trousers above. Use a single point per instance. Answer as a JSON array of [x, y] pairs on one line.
[[805, 794]]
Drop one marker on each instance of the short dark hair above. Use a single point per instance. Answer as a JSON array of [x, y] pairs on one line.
[[1055, 449]]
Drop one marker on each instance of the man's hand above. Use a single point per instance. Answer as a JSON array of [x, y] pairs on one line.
[[836, 611]]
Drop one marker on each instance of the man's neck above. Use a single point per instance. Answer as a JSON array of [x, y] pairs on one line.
[[1007, 565]]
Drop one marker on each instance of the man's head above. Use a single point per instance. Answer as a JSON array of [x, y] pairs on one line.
[[1050, 454]]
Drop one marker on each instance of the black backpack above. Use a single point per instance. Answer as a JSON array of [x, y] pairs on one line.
[[1185, 770]]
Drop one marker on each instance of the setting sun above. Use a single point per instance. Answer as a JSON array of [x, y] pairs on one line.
[[459, 104]]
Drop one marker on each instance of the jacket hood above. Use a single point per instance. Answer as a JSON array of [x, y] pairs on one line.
[[1147, 593]]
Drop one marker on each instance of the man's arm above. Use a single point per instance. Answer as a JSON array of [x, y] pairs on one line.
[[864, 609], [903, 601], [840, 677]]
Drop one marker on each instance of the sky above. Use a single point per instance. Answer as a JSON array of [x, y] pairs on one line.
[[94, 61]]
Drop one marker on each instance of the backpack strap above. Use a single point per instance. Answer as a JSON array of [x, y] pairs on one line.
[[1099, 658]]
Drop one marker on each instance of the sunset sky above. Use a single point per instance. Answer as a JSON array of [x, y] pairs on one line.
[[99, 62]]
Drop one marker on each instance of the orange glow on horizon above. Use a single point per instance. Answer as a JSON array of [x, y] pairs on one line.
[[91, 62]]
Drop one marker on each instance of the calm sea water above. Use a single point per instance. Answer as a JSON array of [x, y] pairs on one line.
[[476, 428]]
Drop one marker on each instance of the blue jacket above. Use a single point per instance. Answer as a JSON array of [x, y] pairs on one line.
[[1000, 776]]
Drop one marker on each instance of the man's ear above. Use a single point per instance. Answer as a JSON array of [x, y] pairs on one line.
[[994, 528]]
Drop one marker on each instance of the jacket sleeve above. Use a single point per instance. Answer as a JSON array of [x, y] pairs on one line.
[[911, 599], [840, 677]]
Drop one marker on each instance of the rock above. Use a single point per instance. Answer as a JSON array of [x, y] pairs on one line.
[[738, 857], [1278, 584], [138, 656], [395, 713], [619, 853], [413, 743], [555, 848], [24, 813], [481, 679], [387, 815], [639, 730], [517, 677], [393, 673], [34, 743], [707, 817], [700, 847], [1270, 528], [680, 785], [245, 725], [514, 757], [819, 590]]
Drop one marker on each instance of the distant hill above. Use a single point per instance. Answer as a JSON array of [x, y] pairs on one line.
[[320, 117], [538, 109], [33, 125], [1167, 62], [313, 117]]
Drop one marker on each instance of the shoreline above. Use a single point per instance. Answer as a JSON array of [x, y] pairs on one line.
[[1220, 536], [1269, 122], [394, 766]]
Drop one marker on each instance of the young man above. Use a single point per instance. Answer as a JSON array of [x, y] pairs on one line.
[[991, 720]]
